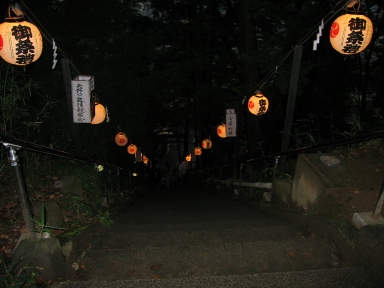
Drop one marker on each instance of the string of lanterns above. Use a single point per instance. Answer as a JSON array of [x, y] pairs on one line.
[[100, 114], [198, 151], [20, 41], [258, 104], [222, 131], [21, 44], [351, 33], [132, 149], [206, 144], [121, 140]]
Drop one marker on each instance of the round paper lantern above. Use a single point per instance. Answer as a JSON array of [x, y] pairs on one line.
[[198, 151], [131, 148], [206, 144], [258, 104], [222, 131], [20, 42], [121, 139], [100, 114], [351, 34], [188, 158]]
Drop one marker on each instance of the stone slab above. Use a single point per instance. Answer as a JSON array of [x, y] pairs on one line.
[[313, 176], [346, 277], [43, 256], [282, 190], [365, 218]]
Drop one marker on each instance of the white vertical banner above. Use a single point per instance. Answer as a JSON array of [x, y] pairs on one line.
[[81, 98], [230, 122]]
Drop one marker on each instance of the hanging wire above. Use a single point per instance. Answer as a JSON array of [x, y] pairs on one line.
[[330, 15]]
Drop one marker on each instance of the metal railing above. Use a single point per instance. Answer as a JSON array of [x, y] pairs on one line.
[[219, 173], [14, 145]]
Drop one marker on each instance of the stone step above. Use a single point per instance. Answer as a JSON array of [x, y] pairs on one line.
[[345, 277], [185, 217], [208, 260], [157, 213], [108, 240], [189, 204], [176, 238], [187, 209], [188, 225], [195, 199]]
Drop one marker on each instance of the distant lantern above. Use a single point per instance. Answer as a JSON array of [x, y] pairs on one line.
[[350, 33], [131, 148], [258, 104], [206, 144], [145, 160], [121, 139], [188, 158], [198, 151], [20, 42], [222, 131], [100, 114]]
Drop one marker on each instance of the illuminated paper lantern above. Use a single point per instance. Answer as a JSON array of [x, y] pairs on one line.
[[198, 151], [188, 158], [121, 139], [131, 148], [258, 104], [20, 43], [206, 144], [100, 114], [222, 131], [351, 34], [145, 160]]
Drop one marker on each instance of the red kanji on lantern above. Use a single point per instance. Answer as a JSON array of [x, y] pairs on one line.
[[258, 104], [121, 139], [132, 149], [222, 131]]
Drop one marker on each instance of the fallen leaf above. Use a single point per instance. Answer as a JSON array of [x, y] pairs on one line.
[[156, 267], [291, 252]]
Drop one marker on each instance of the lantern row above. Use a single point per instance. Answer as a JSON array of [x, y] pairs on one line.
[[21, 41], [21, 44], [121, 140]]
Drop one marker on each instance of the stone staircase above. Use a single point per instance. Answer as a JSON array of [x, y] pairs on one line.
[[183, 237]]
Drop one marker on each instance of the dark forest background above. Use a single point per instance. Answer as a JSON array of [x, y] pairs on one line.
[[175, 66]]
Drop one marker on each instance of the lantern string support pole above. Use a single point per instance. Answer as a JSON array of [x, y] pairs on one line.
[[75, 126], [293, 86], [21, 187], [221, 174], [130, 182], [379, 204], [240, 176], [276, 166]]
